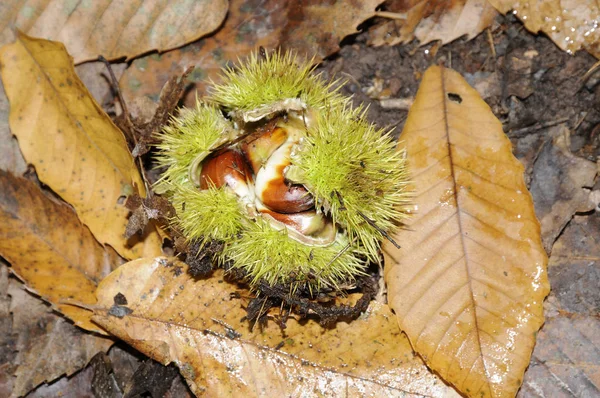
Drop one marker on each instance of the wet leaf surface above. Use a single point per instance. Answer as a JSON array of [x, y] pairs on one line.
[[469, 281], [197, 324], [571, 24], [308, 27], [50, 249], [433, 20], [72, 143], [111, 28]]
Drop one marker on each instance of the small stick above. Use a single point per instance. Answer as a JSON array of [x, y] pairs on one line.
[[115, 83], [397, 103], [128, 121], [391, 15], [587, 75], [538, 126]]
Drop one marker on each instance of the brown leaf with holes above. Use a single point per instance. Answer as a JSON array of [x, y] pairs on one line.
[[73, 144], [50, 250], [571, 24], [309, 27], [468, 283], [196, 323], [112, 28], [433, 20]]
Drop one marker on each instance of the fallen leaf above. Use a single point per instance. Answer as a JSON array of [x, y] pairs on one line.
[[50, 249], [433, 20], [561, 184], [10, 154], [566, 359], [72, 143], [196, 323], [76, 386], [571, 24], [8, 343], [574, 266], [468, 283], [112, 28], [308, 27], [48, 345]]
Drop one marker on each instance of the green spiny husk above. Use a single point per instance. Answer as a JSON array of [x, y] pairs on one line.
[[352, 169]]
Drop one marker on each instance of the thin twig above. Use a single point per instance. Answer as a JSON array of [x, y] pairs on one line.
[[115, 84], [397, 103], [538, 126], [587, 75], [391, 15], [128, 121]]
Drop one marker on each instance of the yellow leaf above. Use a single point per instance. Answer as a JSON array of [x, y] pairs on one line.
[[196, 324], [571, 24], [112, 28], [469, 281], [73, 144], [429, 20], [50, 250]]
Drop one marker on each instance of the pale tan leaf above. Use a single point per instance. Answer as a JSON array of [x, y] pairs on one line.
[[196, 324], [112, 28], [50, 250], [469, 281], [73, 144], [571, 24], [433, 20]]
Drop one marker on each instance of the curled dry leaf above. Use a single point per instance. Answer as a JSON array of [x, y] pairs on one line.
[[469, 281], [50, 250], [433, 20], [561, 184], [308, 27], [112, 28], [196, 324], [571, 24], [73, 144]]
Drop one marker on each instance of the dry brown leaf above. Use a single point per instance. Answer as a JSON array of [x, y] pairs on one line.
[[433, 20], [310, 27], [561, 184], [469, 281], [73, 144], [566, 359], [172, 317], [112, 28], [48, 345], [571, 24], [50, 249]]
